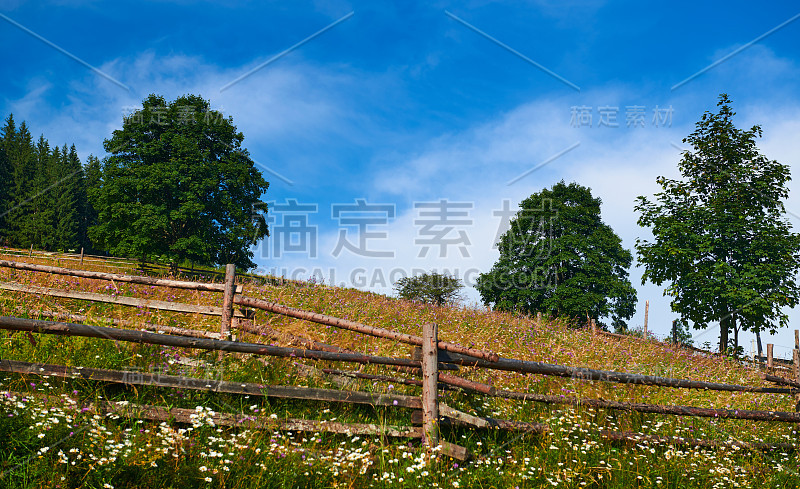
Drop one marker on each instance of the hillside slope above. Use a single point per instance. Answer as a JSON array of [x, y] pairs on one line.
[[573, 454]]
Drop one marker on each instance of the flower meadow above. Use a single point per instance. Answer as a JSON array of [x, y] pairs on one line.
[[59, 432]]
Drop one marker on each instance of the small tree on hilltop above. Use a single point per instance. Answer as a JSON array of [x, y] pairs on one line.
[[430, 288]]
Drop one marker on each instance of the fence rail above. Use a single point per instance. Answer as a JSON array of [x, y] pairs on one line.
[[358, 327], [530, 367], [135, 279], [114, 299]]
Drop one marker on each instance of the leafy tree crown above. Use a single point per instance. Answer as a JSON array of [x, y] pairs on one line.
[[720, 240], [178, 184], [559, 257]]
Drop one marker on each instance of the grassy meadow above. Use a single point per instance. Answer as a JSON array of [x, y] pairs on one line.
[[50, 438]]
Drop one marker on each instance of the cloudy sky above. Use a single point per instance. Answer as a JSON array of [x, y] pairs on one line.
[[399, 136]]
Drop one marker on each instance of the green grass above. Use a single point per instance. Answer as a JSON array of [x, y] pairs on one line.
[[94, 450]]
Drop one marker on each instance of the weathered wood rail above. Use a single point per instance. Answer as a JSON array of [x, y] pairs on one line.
[[157, 328], [768, 361], [183, 415], [114, 299], [530, 367], [359, 328], [702, 412], [118, 277], [228, 288], [209, 385], [134, 336]]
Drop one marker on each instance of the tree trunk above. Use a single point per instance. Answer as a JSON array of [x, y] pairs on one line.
[[735, 334], [758, 341], [724, 326]]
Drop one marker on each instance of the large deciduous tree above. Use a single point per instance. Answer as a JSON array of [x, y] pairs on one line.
[[559, 257], [719, 235], [179, 185]]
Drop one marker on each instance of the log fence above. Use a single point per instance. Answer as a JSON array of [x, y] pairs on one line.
[[139, 265], [431, 361], [769, 362], [135, 279]]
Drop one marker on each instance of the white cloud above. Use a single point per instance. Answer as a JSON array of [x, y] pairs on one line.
[[280, 104]]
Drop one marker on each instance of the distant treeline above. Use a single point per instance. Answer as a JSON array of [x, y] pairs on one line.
[[44, 192]]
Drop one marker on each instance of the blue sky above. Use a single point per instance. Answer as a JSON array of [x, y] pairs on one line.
[[405, 105]]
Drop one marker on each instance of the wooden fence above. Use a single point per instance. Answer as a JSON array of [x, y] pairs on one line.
[[768, 362], [432, 361], [146, 267]]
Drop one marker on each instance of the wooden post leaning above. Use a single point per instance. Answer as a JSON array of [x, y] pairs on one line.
[[227, 304], [770, 363], [430, 377], [796, 361]]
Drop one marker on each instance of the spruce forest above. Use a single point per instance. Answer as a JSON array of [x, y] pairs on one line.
[[44, 192]]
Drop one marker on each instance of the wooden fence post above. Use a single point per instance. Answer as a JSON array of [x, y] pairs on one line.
[[674, 332], [797, 339], [646, 313], [30, 254], [227, 303], [81, 255], [796, 359], [769, 357], [796, 363], [430, 377]]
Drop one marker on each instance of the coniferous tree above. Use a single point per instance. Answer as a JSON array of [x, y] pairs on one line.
[[40, 215], [42, 192], [93, 178], [67, 186], [5, 190], [24, 163], [6, 177]]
